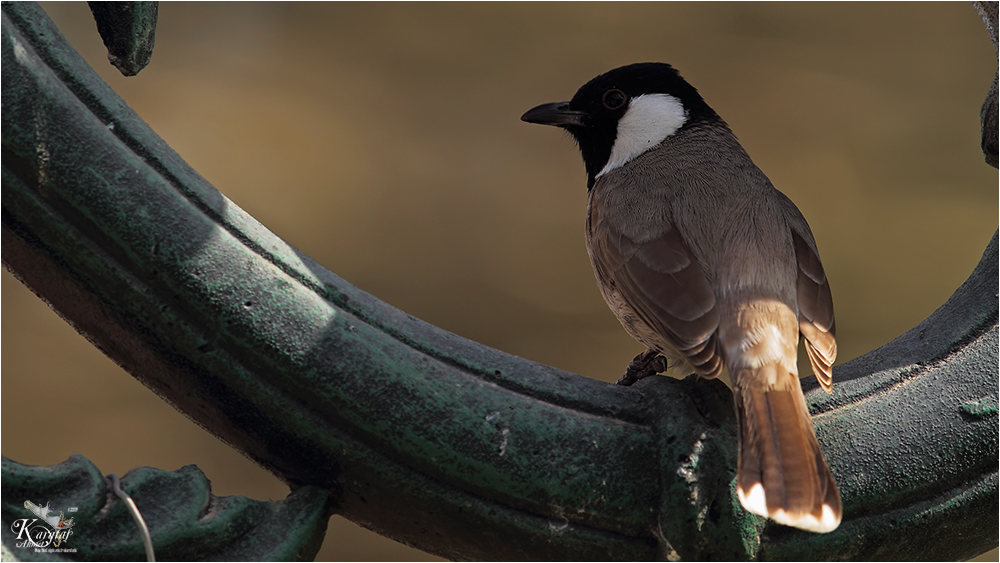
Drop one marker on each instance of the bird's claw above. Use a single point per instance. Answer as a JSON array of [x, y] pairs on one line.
[[644, 365]]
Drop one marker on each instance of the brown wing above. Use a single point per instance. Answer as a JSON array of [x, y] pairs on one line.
[[816, 321], [663, 282]]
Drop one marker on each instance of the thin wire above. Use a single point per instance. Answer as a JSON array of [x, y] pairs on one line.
[[147, 541]]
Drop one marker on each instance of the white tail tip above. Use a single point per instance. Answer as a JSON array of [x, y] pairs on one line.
[[755, 501]]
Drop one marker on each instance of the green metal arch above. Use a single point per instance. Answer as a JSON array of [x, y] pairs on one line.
[[427, 437]]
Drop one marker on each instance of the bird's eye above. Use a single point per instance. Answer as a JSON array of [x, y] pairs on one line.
[[614, 99]]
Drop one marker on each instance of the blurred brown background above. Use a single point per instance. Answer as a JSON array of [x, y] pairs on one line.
[[383, 140]]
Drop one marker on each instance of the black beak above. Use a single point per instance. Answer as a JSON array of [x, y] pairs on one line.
[[556, 113]]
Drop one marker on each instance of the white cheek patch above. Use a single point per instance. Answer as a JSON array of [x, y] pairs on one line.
[[649, 119]]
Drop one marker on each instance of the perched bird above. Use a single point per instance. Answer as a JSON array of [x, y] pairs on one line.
[[710, 267]]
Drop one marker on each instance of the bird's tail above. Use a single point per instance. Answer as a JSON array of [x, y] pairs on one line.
[[781, 472]]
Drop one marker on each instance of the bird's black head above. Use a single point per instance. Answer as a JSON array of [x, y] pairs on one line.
[[623, 113]]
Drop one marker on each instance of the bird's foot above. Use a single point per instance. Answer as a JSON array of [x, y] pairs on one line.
[[644, 365]]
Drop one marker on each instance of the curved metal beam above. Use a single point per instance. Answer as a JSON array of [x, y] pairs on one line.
[[427, 437]]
